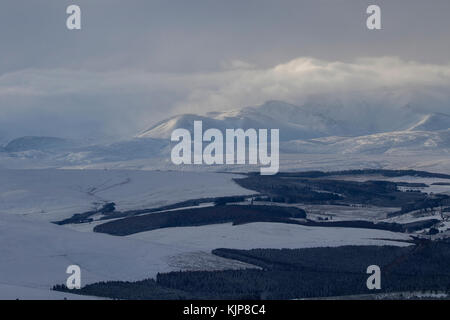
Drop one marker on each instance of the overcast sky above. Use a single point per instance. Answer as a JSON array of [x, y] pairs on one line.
[[137, 61]]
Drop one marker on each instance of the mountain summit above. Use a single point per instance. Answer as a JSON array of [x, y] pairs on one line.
[[294, 122], [307, 121]]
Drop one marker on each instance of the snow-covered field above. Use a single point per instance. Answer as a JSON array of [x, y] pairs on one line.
[[266, 235], [8, 292], [35, 254], [51, 194]]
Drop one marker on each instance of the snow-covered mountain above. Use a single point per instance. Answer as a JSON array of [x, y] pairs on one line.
[[380, 143], [38, 143], [308, 129], [307, 121], [432, 122], [294, 122]]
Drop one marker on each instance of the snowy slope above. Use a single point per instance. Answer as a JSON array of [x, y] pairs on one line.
[[14, 292], [52, 194], [294, 122], [432, 122], [422, 141], [35, 256], [266, 235], [308, 121], [38, 143], [309, 129]]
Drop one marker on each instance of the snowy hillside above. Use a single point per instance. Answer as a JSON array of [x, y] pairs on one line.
[[35, 255], [52, 195], [312, 129], [432, 122], [389, 142], [307, 121], [38, 143], [294, 122]]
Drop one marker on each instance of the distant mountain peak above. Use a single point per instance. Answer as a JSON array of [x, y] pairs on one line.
[[36, 143], [294, 122], [307, 121], [164, 128]]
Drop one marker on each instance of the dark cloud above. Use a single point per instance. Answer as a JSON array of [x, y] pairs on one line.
[[198, 35], [120, 103], [135, 62]]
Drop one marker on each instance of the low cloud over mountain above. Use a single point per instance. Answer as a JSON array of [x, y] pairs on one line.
[[119, 103], [306, 129]]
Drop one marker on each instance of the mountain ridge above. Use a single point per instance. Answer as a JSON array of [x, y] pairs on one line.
[[300, 122], [303, 130]]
